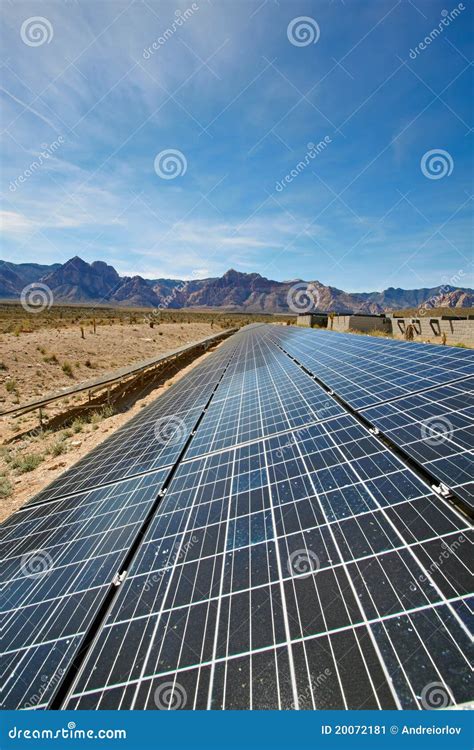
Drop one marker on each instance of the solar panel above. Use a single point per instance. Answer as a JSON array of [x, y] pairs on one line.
[[283, 556], [272, 395], [263, 559], [436, 429], [433, 424], [128, 452], [59, 560], [366, 370], [62, 552]]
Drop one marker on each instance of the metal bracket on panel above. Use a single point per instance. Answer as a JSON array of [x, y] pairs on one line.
[[442, 490], [119, 578], [331, 392]]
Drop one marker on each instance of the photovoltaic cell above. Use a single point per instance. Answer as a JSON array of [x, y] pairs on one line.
[[128, 452], [279, 396]]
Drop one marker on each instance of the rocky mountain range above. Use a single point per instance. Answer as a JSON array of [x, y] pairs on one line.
[[79, 282]]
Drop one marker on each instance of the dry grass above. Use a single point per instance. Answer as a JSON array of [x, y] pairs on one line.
[[377, 334]]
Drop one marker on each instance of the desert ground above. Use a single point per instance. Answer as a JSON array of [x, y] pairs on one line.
[[38, 362]]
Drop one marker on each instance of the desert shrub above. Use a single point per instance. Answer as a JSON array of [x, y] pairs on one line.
[[58, 448], [5, 453], [67, 369], [104, 413], [5, 487], [51, 359], [107, 411], [28, 462], [42, 434], [77, 425]]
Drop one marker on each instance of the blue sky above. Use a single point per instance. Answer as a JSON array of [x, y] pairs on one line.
[[229, 90]]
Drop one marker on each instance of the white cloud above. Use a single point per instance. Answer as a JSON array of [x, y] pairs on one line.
[[13, 222]]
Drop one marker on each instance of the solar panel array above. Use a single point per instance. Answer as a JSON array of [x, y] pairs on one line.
[[419, 396], [278, 553]]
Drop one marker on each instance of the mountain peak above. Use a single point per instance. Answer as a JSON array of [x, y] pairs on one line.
[[76, 260], [240, 276], [233, 274]]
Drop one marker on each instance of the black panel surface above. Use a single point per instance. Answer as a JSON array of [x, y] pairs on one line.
[[282, 556]]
